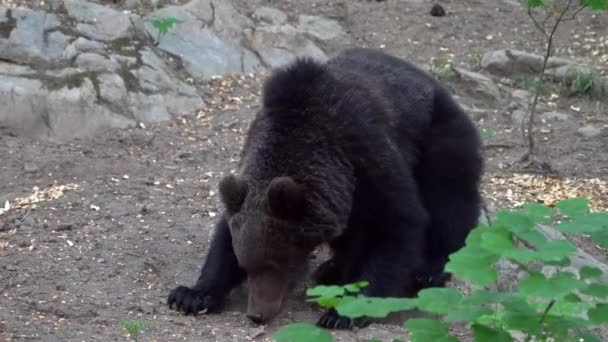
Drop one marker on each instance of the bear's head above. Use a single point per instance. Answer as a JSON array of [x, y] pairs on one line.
[[274, 229]]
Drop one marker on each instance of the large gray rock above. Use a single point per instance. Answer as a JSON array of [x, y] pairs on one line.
[[319, 27], [30, 37], [98, 22], [588, 132], [513, 62], [23, 105], [196, 40], [90, 67], [95, 62], [278, 45], [270, 15], [74, 112], [479, 85], [82, 44]]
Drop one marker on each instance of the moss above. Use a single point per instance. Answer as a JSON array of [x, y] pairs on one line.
[[69, 81]]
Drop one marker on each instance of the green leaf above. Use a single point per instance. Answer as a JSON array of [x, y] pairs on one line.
[[302, 332], [573, 207], [533, 3], [588, 337], [551, 251], [519, 315], [486, 133], [601, 238], [533, 236], [589, 223], [164, 25], [560, 285], [596, 5], [356, 287], [360, 306], [481, 296], [497, 240], [599, 314], [326, 291], [439, 300], [514, 221], [484, 333], [473, 263], [538, 212], [425, 330], [467, 314], [596, 290]]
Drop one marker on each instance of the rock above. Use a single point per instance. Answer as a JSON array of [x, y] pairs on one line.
[[22, 101], [270, 15], [98, 22], [15, 70], [30, 167], [554, 116], [202, 52], [94, 62], [82, 45], [578, 259], [31, 37], [509, 62], [517, 116], [279, 45], [73, 112], [569, 72], [319, 27], [588, 132], [112, 90], [521, 96], [479, 84]]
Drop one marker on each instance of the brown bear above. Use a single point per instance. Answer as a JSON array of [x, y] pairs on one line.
[[366, 153]]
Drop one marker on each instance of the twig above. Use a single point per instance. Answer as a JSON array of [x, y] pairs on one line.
[[549, 48]]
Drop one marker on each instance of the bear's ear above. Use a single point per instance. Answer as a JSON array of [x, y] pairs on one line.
[[285, 197], [233, 191]]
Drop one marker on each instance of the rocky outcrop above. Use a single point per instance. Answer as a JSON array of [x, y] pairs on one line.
[[87, 67]]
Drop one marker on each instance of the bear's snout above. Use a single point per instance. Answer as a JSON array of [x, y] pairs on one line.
[[266, 294]]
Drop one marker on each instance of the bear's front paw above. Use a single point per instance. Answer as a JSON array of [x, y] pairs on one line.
[[192, 301], [332, 320]]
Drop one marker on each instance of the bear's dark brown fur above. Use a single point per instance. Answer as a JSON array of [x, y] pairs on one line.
[[366, 153]]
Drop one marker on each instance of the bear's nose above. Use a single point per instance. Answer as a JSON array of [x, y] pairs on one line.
[[256, 318]]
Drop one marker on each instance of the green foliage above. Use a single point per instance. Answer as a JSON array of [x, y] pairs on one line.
[[424, 330], [561, 307], [302, 332], [442, 69], [133, 327], [164, 25], [486, 133]]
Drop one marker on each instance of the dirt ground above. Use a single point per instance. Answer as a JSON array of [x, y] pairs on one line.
[[93, 232]]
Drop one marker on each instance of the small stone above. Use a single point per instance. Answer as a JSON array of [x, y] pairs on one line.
[[554, 116], [518, 115], [437, 10], [30, 167], [588, 132]]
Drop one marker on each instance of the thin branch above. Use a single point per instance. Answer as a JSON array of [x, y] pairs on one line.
[[549, 306], [575, 13], [548, 52], [536, 23]]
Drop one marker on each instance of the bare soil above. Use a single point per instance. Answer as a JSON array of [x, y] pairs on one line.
[[100, 230]]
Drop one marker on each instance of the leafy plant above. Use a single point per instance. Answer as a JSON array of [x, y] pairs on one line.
[[163, 26], [486, 133], [133, 327], [442, 69], [555, 14], [563, 306]]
